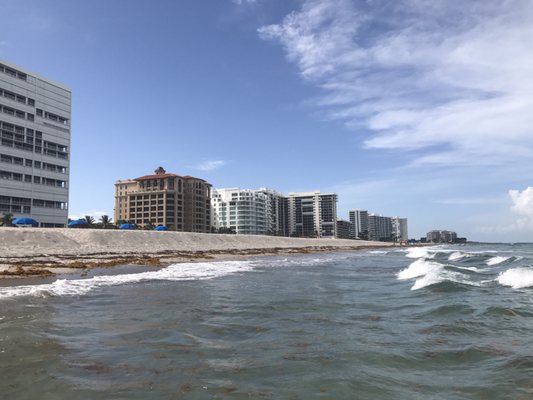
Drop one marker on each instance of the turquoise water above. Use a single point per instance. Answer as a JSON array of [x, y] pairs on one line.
[[428, 323]]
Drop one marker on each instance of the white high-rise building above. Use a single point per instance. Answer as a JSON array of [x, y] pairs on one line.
[[313, 214], [399, 229], [241, 210], [277, 213], [34, 146], [250, 212], [359, 224]]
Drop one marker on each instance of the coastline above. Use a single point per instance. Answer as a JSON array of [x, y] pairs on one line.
[[37, 252]]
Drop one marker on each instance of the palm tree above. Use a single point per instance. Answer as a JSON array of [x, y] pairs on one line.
[[105, 221], [6, 219], [89, 220]]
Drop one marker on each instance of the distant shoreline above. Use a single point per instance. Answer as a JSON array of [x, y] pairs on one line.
[[34, 252]]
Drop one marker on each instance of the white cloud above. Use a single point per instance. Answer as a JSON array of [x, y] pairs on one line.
[[244, 1], [520, 219], [469, 201], [209, 165], [523, 207], [453, 79]]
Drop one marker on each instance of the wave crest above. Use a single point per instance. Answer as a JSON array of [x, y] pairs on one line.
[[517, 278], [497, 260], [428, 273], [175, 272]]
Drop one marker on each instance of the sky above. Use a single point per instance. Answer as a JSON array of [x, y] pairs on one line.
[[414, 108]]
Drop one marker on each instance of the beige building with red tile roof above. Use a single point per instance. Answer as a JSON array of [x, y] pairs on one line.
[[182, 203]]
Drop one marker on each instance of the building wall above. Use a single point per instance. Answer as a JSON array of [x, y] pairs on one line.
[[197, 205], [441, 236], [277, 214], [379, 228], [243, 210], [359, 224], [399, 229], [344, 229], [181, 203], [312, 214], [35, 120]]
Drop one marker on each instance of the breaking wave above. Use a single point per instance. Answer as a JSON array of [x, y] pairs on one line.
[[456, 255], [497, 260], [176, 272], [428, 273], [419, 252], [475, 267], [517, 278]]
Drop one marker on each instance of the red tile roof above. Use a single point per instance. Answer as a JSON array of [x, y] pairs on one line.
[[162, 176], [192, 177]]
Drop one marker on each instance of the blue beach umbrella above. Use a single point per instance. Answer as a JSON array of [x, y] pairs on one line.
[[161, 228], [24, 221], [78, 223], [127, 226]]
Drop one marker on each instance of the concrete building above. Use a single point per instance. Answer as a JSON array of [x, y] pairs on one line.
[[242, 210], [441, 236], [379, 228], [277, 212], [250, 212], [399, 229], [34, 146], [359, 224], [343, 229], [182, 203], [313, 214]]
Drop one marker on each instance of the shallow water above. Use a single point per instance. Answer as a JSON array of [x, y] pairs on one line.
[[440, 323]]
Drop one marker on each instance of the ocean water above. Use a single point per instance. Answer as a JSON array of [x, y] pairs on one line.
[[443, 322]]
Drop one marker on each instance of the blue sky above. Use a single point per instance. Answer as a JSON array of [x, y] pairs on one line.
[[416, 108]]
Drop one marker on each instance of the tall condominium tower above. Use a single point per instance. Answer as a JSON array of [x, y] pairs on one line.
[[313, 214], [242, 210], [277, 212], [399, 228], [343, 229], [379, 228], [34, 146], [359, 224], [182, 203], [250, 212]]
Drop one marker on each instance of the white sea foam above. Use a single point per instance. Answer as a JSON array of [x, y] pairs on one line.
[[378, 252], [497, 260], [419, 252], [418, 268], [428, 273], [456, 255], [517, 278], [176, 272], [473, 269], [431, 278]]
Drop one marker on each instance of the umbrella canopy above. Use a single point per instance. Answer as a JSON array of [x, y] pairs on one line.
[[77, 223], [24, 221], [161, 228], [127, 226]]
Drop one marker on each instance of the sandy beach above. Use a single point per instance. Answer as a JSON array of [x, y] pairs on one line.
[[44, 252]]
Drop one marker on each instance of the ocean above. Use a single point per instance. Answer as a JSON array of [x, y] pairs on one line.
[[441, 322]]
